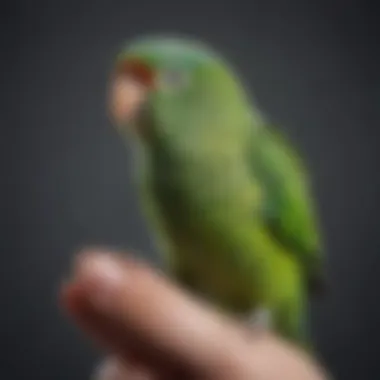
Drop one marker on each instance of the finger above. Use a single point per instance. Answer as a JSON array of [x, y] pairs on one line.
[[145, 310]]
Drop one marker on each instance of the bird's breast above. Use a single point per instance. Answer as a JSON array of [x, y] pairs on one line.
[[195, 191]]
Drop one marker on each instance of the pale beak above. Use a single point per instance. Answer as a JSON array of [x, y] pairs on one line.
[[126, 98]]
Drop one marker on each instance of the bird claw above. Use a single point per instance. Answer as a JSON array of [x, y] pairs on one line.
[[261, 318]]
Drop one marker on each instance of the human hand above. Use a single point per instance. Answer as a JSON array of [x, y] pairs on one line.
[[153, 330]]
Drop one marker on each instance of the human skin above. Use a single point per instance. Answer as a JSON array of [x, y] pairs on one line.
[[152, 329]]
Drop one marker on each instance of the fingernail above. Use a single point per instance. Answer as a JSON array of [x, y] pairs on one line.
[[102, 276]]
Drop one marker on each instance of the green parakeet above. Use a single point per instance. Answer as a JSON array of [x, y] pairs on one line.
[[226, 194]]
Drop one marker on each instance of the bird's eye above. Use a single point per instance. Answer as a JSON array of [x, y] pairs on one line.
[[173, 79]]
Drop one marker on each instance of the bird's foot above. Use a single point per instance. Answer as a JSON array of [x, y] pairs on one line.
[[261, 318]]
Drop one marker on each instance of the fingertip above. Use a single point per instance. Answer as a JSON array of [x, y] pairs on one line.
[[72, 297]]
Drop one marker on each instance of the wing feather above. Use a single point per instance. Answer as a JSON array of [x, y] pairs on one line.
[[288, 207]]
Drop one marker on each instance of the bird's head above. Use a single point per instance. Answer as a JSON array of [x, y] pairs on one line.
[[160, 85]]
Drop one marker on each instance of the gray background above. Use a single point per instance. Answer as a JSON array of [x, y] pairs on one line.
[[313, 68]]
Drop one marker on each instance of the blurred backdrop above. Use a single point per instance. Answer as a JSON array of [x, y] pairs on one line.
[[313, 67]]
